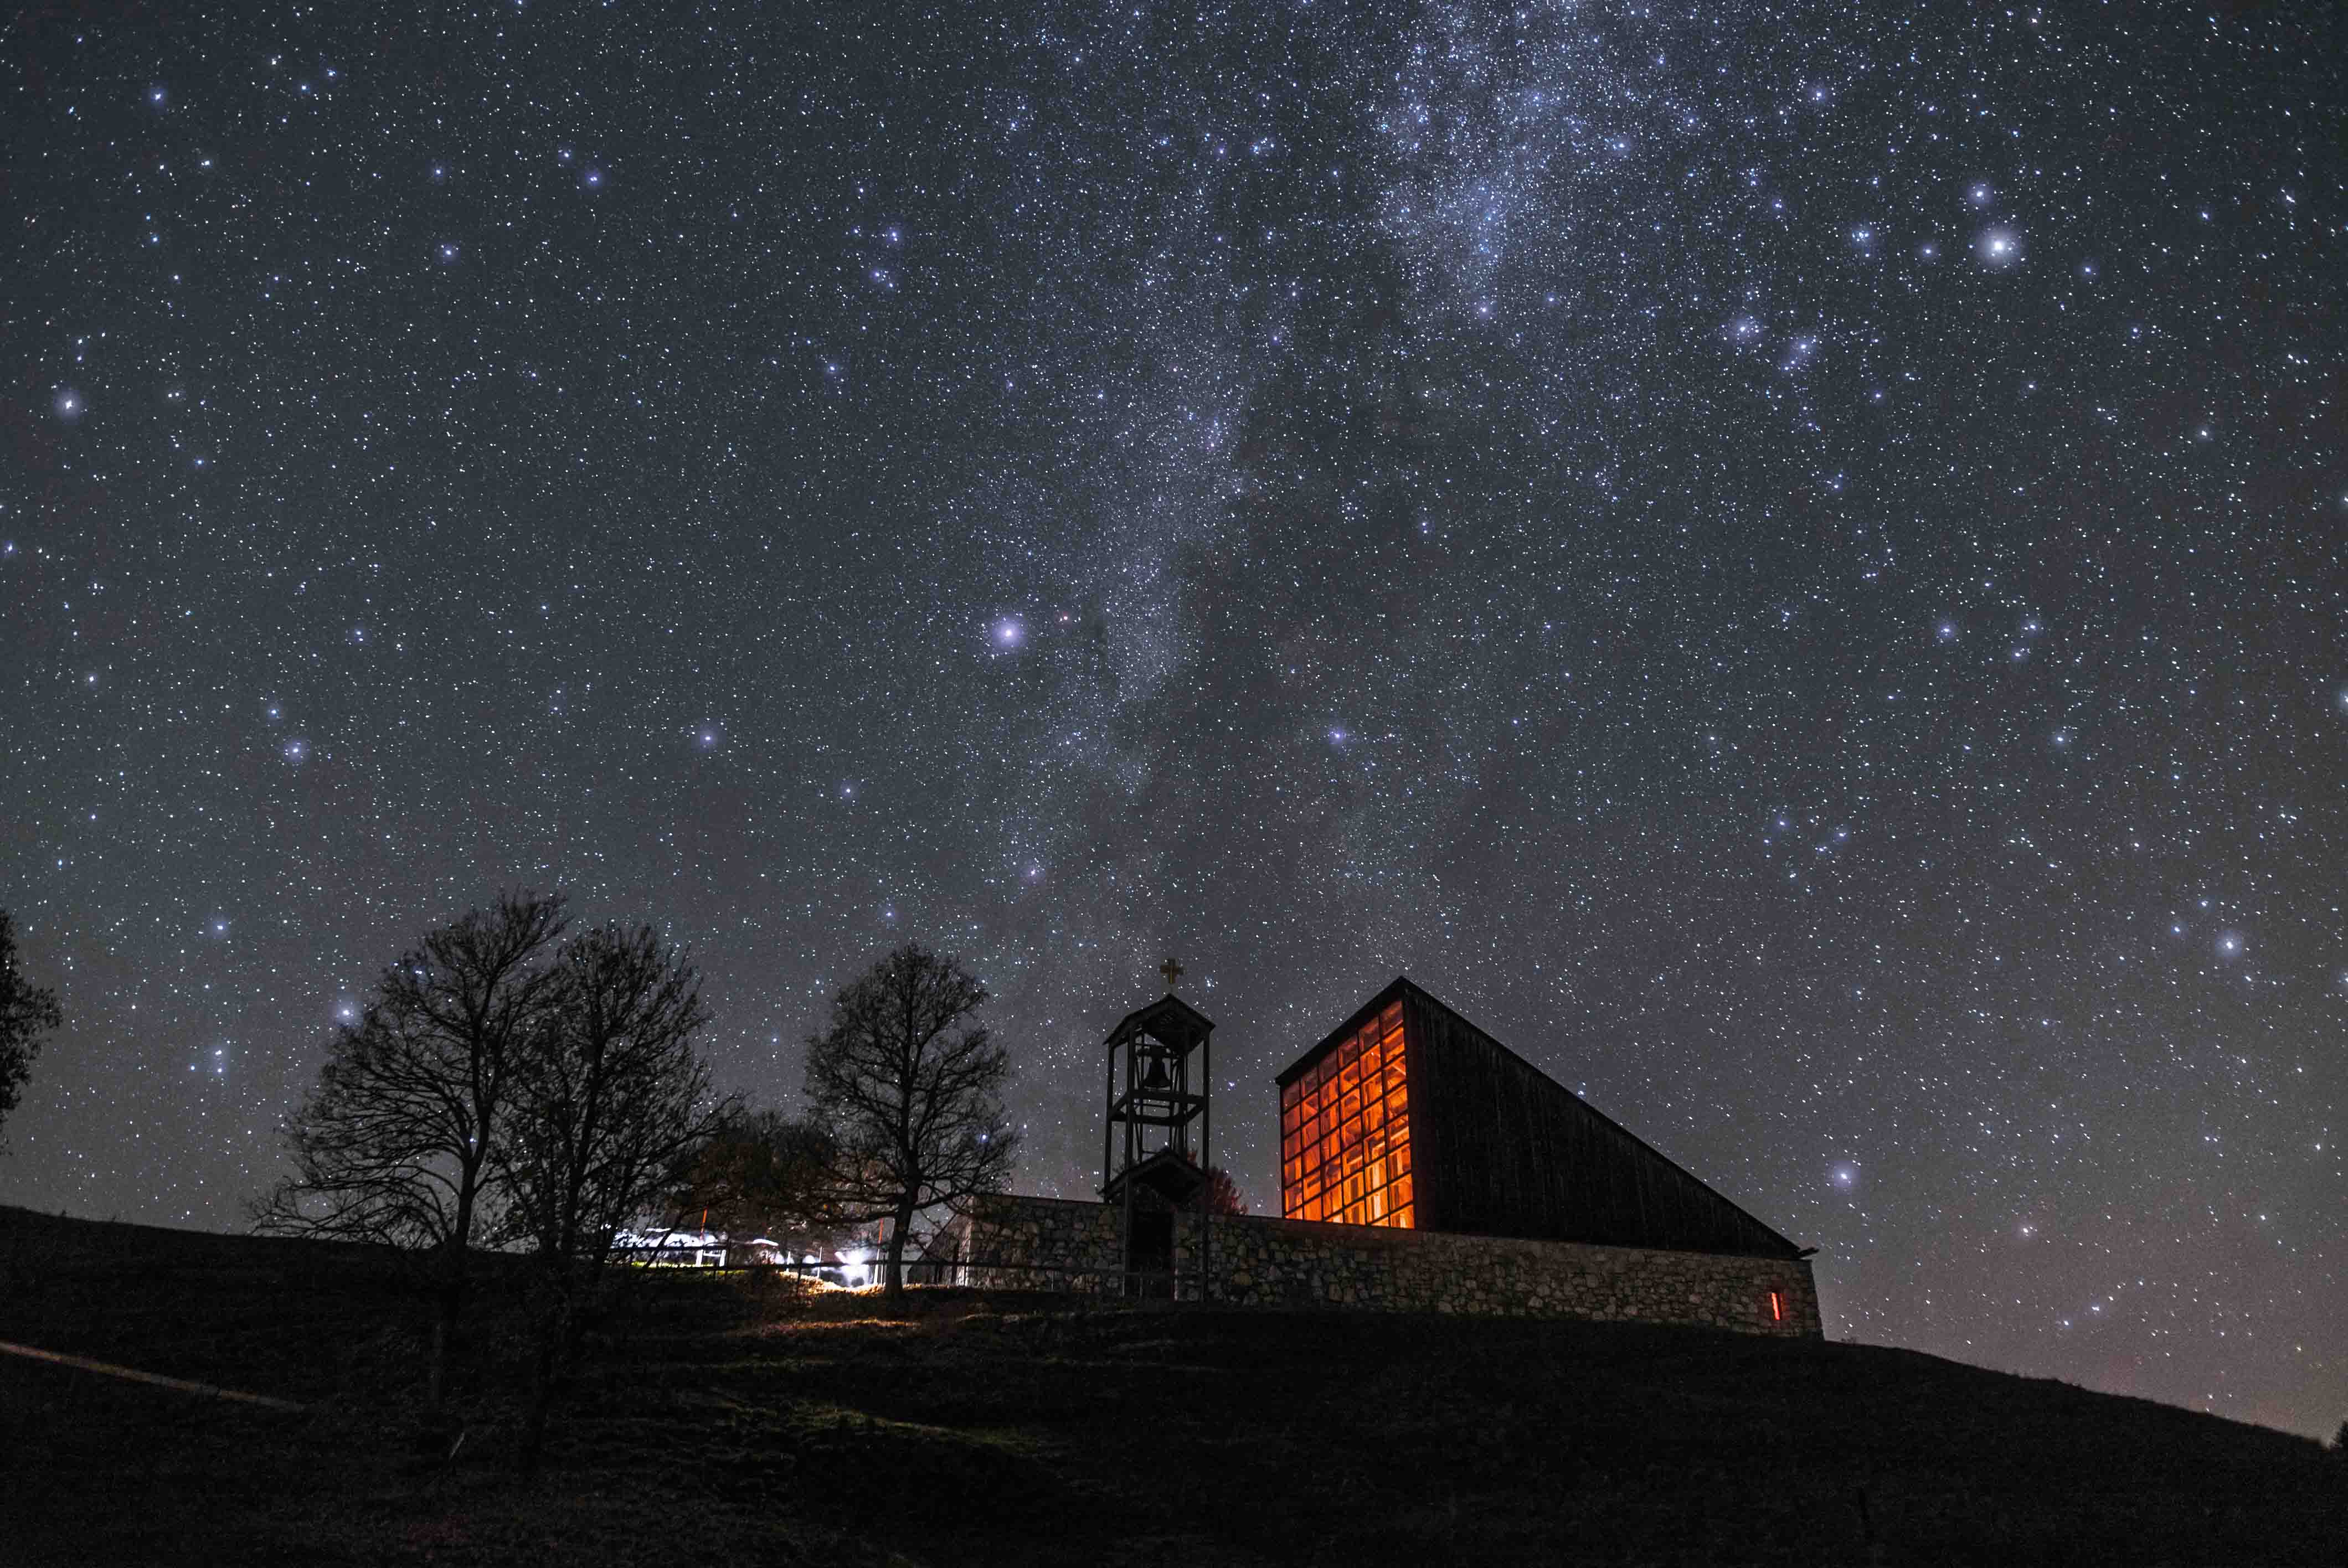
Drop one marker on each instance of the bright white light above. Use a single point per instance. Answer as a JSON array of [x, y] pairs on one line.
[[1998, 248], [1009, 633]]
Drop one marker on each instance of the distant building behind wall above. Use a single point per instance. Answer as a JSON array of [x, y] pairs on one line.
[[1408, 1115]]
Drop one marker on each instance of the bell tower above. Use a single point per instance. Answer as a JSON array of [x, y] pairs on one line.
[[1153, 1140]]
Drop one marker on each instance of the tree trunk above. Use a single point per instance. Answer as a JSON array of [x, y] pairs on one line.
[[452, 1300], [903, 1223]]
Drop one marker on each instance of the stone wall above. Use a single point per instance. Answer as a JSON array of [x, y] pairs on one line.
[[1052, 1243], [1014, 1242]]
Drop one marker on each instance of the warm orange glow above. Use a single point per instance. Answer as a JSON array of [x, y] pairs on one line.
[[1777, 1308], [1344, 1132]]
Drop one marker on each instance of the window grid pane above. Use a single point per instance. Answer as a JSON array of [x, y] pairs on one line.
[[1345, 1133]]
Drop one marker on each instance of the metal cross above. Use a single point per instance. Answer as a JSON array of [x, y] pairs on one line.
[[1172, 971]]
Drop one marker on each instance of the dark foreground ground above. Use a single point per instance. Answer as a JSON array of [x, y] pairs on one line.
[[737, 1421]]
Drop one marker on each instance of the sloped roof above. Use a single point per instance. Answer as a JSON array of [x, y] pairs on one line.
[[1169, 1018]]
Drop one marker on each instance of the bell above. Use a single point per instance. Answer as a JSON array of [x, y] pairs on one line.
[[1154, 1076]]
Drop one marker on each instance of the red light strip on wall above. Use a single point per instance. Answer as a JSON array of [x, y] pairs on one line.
[[1777, 1308]]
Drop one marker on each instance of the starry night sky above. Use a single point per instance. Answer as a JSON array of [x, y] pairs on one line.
[[1786, 560]]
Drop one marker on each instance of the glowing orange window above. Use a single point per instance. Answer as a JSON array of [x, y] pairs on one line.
[[1344, 1132]]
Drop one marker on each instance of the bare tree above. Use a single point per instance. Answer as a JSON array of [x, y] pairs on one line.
[[27, 1011], [760, 1174], [395, 1145], [910, 1091], [608, 1096]]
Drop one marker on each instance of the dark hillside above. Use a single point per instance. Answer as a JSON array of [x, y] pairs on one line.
[[733, 1420]]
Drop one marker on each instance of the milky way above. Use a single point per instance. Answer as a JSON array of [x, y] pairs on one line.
[[1786, 561]]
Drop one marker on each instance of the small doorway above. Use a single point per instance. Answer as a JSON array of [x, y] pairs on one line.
[[1150, 1258]]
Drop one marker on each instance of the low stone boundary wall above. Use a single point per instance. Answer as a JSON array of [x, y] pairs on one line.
[[1057, 1243], [1014, 1242]]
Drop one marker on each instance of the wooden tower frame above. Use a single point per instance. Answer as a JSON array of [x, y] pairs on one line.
[[1153, 1140]]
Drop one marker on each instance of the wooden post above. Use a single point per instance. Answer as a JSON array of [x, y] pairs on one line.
[[1205, 1165]]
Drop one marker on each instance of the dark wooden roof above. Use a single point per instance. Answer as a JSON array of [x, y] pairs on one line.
[[1169, 1018], [1500, 1148], [1173, 1177]]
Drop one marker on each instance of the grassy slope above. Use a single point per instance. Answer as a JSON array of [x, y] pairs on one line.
[[731, 1421]]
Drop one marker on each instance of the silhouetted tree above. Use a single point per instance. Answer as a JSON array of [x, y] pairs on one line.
[[27, 1011], [760, 1172], [1223, 1194], [909, 1090], [606, 1096], [396, 1144]]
